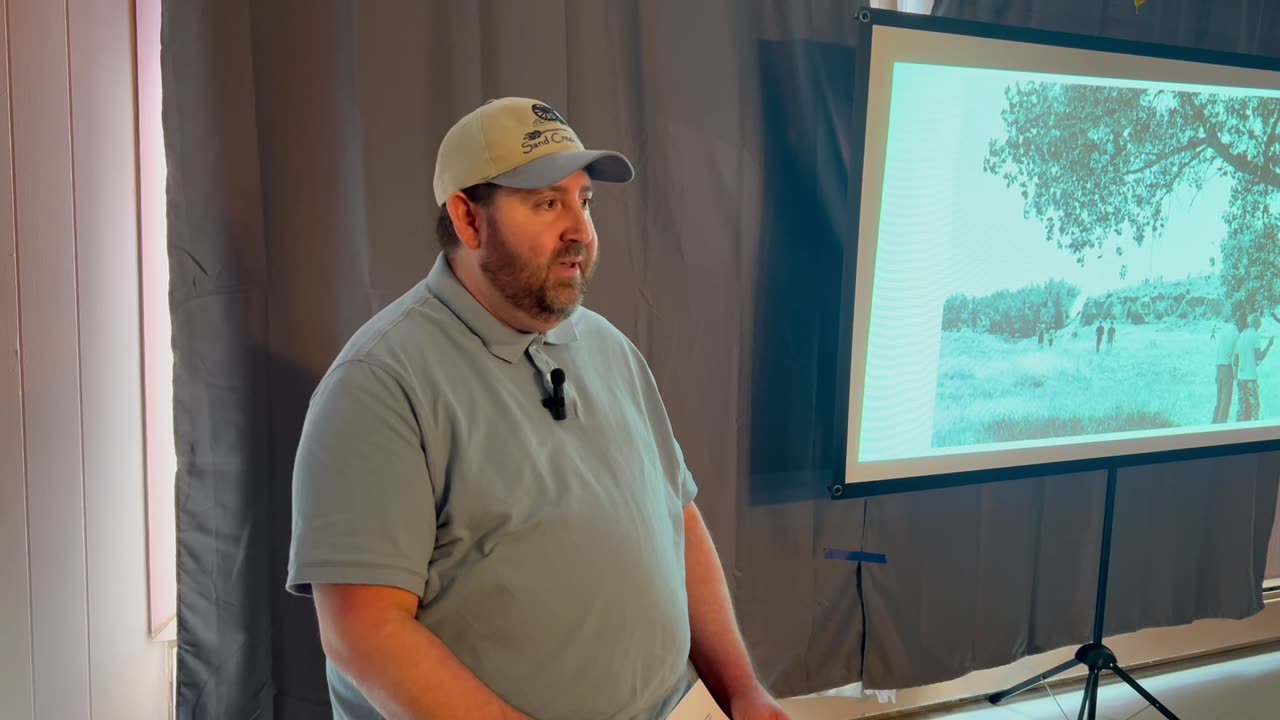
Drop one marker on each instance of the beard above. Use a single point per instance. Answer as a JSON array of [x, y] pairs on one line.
[[529, 286]]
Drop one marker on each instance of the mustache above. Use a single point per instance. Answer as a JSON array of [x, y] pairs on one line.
[[576, 254]]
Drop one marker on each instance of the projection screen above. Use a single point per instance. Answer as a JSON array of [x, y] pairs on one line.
[[1062, 254]]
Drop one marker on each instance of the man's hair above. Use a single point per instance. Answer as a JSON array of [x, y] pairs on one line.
[[481, 195], [1255, 321]]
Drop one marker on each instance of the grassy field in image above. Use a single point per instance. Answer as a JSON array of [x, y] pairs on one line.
[[993, 389]]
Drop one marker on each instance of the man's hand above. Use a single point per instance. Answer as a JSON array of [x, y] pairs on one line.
[[756, 705]]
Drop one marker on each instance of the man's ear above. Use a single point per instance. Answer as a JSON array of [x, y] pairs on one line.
[[466, 219]]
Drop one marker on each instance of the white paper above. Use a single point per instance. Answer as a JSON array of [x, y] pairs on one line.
[[698, 704]]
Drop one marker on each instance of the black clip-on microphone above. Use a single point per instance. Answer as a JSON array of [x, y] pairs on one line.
[[556, 403]]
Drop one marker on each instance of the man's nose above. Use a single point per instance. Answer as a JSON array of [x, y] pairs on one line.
[[579, 229]]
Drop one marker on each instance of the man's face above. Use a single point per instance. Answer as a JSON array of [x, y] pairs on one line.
[[538, 247]]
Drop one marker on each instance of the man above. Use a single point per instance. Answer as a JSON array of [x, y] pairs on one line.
[[1247, 358], [1226, 371], [490, 509]]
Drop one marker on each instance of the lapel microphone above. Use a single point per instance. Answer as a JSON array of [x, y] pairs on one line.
[[556, 403]]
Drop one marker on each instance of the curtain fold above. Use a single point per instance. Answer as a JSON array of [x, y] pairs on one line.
[[301, 141]]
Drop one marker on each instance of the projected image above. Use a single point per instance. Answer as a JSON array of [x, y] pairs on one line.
[[1066, 258]]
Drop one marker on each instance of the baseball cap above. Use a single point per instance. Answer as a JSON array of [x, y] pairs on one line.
[[518, 143]]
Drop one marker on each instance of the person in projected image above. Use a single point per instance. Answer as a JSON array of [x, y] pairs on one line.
[[1225, 365], [1099, 332], [1248, 357], [491, 510]]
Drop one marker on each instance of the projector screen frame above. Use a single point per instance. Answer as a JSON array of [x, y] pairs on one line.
[[868, 20]]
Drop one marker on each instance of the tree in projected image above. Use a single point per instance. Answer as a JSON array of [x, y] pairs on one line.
[[1097, 164]]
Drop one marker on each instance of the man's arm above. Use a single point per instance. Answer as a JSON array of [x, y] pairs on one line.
[[372, 634], [718, 653]]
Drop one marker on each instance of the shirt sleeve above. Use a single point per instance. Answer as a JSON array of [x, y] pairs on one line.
[[364, 507], [678, 473], [686, 488]]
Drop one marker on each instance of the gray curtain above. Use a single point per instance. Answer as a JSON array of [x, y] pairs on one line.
[[301, 138]]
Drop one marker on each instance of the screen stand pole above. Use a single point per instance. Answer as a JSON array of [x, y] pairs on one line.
[[1095, 656]]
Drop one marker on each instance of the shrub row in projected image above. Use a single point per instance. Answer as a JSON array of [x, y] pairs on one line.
[[1067, 257]]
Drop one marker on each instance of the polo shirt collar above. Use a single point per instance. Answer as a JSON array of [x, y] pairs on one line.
[[499, 338]]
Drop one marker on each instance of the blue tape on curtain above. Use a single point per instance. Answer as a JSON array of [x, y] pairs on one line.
[[854, 556]]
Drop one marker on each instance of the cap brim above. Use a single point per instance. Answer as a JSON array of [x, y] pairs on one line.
[[603, 165]]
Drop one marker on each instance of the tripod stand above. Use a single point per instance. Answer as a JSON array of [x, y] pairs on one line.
[[1094, 655]]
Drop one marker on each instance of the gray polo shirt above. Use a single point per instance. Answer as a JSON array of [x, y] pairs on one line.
[[547, 555]]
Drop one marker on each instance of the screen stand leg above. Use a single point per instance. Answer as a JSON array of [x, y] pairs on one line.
[[1094, 655]]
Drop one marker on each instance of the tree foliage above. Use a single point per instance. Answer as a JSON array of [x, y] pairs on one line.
[[1251, 250], [1013, 313], [1096, 164]]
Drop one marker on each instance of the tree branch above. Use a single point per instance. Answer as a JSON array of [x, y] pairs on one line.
[[1252, 135], [1263, 174], [1271, 137], [1193, 145], [1271, 134], [1177, 175]]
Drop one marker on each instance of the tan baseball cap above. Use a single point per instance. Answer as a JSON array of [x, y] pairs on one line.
[[518, 143]]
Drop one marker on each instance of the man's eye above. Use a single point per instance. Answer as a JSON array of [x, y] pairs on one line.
[[586, 203], [549, 204]]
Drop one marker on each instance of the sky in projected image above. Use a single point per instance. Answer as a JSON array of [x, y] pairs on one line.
[[985, 334]]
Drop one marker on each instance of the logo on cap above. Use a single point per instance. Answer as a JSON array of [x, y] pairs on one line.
[[547, 113], [542, 138]]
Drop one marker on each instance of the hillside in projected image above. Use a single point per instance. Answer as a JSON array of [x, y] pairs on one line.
[[1071, 258]]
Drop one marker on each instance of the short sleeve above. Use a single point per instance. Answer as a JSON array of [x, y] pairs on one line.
[[363, 504], [685, 488], [678, 473]]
